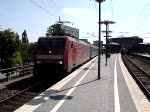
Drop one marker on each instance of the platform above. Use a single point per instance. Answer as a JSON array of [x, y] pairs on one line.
[[116, 91]]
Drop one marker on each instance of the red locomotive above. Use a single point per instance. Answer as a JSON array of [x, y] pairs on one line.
[[61, 53]]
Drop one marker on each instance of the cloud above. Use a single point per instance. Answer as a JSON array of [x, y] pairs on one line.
[[77, 12]]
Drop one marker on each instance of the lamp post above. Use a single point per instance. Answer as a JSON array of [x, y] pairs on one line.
[[106, 53], [99, 44], [107, 31]]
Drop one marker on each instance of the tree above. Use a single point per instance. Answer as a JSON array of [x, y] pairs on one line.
[[24, 51], [55, 30], [27, 52], [32, 51], [9, 49]]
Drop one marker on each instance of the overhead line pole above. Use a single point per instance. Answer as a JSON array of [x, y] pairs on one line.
[[99, 44], [106, 43]]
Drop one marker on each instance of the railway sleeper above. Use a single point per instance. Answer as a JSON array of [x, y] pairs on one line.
[[148, 87], [137, 72], [143, 78]]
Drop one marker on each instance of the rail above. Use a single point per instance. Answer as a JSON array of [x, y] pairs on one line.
[[22, 91], [14, 101], [15, 72], [141, 77]]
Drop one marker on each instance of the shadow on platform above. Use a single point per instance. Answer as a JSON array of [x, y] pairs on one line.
[[60, 97]]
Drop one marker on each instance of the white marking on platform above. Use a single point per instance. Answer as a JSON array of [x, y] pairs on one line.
[[29, 107], [59, 104], [116, 93]]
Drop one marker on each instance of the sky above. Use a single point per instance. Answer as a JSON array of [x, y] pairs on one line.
[[132, 17]]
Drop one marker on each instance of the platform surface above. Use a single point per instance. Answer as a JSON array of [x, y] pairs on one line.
[[116, 91]]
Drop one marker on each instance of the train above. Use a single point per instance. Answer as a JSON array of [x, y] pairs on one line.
[[61, 53]]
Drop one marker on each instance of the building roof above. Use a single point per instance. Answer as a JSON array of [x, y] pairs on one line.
[[113, 43], [145, 43], [132, 37]]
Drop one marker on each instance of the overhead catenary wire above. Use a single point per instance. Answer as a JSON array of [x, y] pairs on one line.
[[141, 14], [142, 10], [42, 8], [112, 8], [143, 22], [112, 14], [95, 7]]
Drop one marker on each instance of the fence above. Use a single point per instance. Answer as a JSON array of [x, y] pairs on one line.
[[15, 72]]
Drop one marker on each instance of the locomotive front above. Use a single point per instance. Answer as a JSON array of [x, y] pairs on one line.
[[49, 55]]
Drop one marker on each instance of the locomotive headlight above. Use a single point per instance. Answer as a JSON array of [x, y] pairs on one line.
[[39, 62], [59, 62]]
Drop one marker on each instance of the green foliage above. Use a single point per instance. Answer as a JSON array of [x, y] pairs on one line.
[[9, 47], [16, 59], [12, 52], [24, 51], [55, 30], [27, 52], [32, 51]]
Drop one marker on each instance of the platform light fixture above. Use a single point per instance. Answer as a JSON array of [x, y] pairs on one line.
[[100, 1]]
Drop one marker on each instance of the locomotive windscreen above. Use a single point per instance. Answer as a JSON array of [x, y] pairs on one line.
[[52, 43]]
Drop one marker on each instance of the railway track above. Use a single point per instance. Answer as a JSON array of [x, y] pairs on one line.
[[142, 58], [140, 75], [142, 62], [12, 99]]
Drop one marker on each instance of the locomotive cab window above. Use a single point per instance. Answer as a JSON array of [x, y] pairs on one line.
[[71, 44], [52, 43]]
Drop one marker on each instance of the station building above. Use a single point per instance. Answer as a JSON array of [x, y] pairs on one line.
[[126, 42], [140, 48]]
